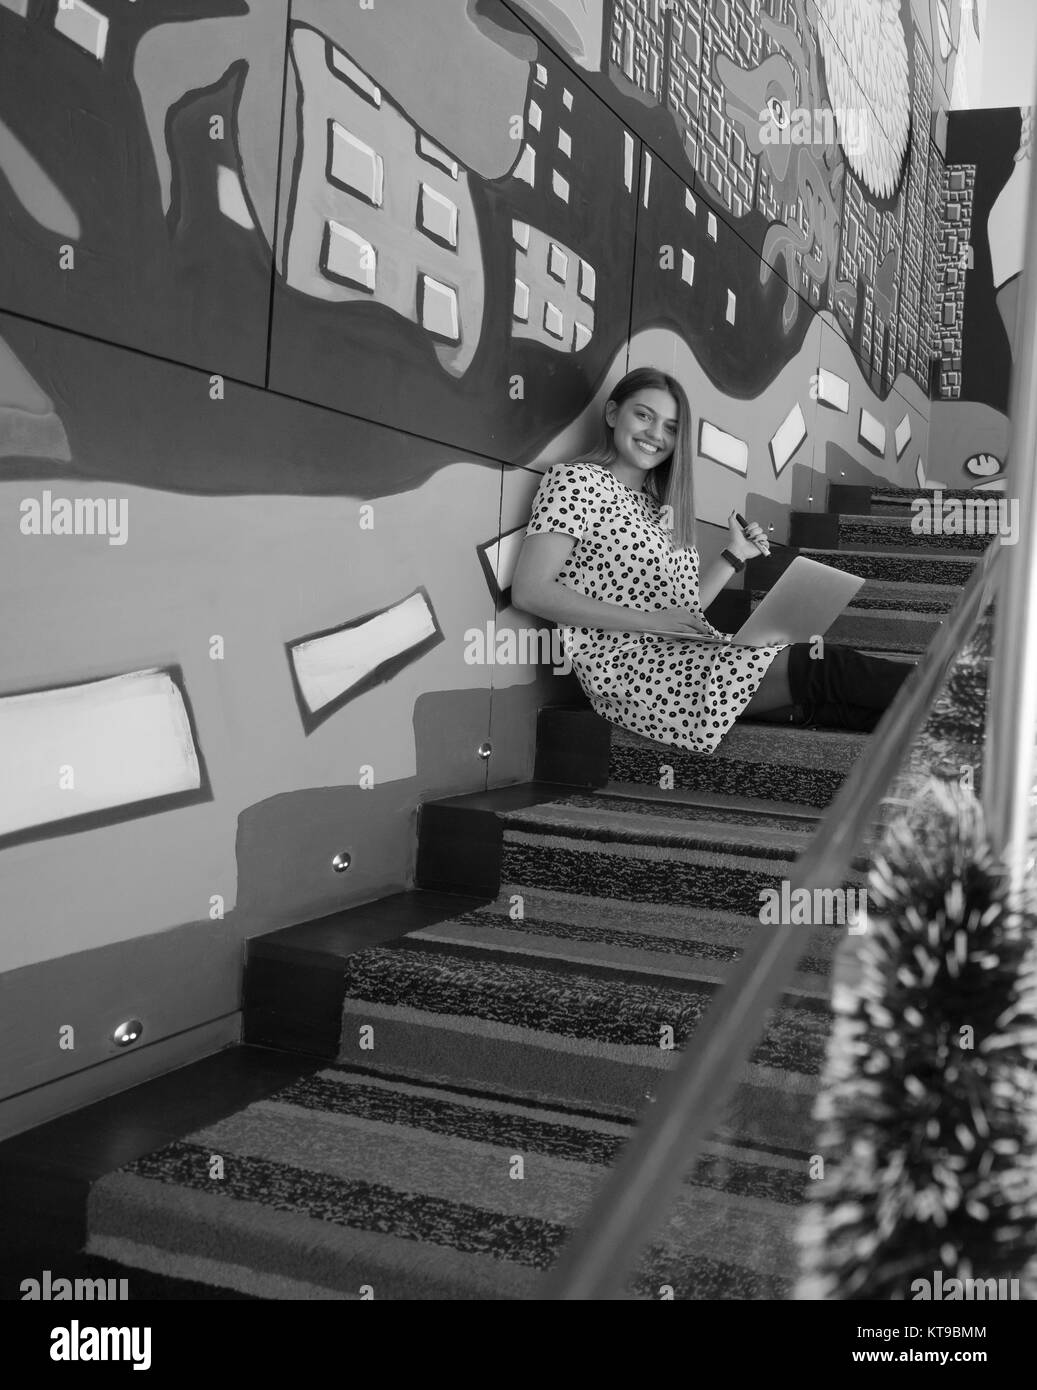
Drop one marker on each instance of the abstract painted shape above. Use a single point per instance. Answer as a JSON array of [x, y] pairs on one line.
[[983, 465], [231, 198], [787, 438], [37, 192], [871, 432], [1006, 228], [84, 25], [107, 749], [722, 447], [179, 57], [498, 559], [576, 24], [29, 425], [332, 667], [374, 214], [19, 7], [902, 437], [833, 390], [555, 290], [865, 47]]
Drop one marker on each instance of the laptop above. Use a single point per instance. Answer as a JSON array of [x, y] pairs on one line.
[[803, 604]]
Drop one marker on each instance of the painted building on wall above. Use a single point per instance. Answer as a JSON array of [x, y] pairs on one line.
[[316, 352]]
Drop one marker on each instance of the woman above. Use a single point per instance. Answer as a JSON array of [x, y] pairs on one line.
[[610, 556]]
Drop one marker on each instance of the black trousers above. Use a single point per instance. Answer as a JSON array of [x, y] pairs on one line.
[[843, 689]]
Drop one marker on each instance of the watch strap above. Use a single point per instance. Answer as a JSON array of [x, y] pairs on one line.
[[733, 560]]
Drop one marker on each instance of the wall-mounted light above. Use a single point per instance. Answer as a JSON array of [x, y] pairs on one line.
[[341, 862], [128, 1032]]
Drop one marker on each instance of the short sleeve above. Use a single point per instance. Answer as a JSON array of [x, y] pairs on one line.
[[563, 501]]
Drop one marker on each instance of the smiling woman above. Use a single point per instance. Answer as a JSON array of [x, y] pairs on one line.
[[610, 556]]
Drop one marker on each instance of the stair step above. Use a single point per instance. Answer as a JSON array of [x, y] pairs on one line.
[[887, 633], [904, 567], [905, 507], [801, 766], [880, 597], [920, 600], [293, 992], [407, 1186], [895, 532]]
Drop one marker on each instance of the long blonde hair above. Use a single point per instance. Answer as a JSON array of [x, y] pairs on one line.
[[670, 482]]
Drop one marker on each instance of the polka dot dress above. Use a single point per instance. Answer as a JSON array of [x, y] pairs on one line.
[[679, 692]]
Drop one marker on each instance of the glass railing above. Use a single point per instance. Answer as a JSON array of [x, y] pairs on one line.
[[642, 1186]]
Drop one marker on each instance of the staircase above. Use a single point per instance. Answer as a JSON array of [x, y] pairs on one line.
[[490, 1038]]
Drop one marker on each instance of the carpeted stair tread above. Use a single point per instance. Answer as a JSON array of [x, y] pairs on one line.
[[601, 819], [884, 631], [910, 601], [718, 804], [714, 810], [767, 761], [409, 1189], [605, 817]]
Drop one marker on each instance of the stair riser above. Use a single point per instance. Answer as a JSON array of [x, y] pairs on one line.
[[670, 882], [899, 568], [770, 782], [896, 534], [604, 1080], [877, 597]]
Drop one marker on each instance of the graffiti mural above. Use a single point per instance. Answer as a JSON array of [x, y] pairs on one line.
[[982, 235]]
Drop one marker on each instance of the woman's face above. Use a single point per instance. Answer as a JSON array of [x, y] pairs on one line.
[[644, 429]]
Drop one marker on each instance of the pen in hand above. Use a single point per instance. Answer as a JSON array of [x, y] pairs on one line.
[[762, 545]]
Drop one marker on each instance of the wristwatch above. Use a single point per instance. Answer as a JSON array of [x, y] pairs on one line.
[[732, 560]]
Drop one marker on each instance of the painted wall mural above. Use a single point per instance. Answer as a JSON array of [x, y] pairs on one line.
[[313, 292], [979, 272]]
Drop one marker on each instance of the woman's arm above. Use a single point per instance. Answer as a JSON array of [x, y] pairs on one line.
[[535, 588], [746, 545]]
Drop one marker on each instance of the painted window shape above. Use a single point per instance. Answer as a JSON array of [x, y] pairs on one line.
[[554, 320], [348, 257], [521, 305], [437, 216], [588, 281], [429, 150], [354, 165], [437, 309], [557, 262], [344, 67]]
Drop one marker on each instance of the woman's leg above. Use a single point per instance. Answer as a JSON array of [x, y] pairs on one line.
[[843, 690], [773, 692]]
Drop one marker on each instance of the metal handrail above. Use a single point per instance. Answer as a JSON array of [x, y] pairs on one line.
[[1012, 706], [641, 1187]]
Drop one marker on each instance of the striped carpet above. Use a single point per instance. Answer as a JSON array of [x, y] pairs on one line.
[[522, 1038], [491, 1067]]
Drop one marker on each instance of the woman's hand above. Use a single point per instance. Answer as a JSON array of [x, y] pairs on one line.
[[747, 542], [680, 621]]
